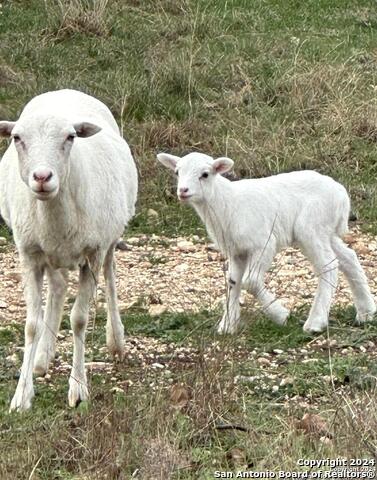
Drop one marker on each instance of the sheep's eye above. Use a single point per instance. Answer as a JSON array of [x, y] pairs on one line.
[[176, 172], [204, 175], [71, 137], [16, 138]]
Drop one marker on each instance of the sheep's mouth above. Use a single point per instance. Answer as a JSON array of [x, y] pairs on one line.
[[44, 195], [184, 198]]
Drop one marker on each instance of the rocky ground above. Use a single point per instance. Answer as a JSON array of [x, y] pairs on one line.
[[187, 274]]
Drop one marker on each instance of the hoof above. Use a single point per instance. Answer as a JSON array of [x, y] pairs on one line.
[[22, 399], [368, 316], [280, 317], [315, 327], [77, 393], [226, 327]]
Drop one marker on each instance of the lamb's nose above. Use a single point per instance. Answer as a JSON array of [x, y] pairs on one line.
[[183, 190], [42, 176]]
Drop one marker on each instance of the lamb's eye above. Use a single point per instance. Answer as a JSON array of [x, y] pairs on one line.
[[204, 175], [71, 137], [176, 172], [16, 138]]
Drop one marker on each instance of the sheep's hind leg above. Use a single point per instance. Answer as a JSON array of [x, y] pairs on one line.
[[254, 281], [57, 287], [350, 266], [325, 264], [78, 389], [33, 294], [114, 326], [231, 318]]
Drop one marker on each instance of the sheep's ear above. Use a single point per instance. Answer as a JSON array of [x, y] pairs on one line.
[[169, 161], [86, 129], [6, 128], [222, 165]]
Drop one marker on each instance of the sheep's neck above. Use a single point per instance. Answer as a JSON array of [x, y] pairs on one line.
[[214, 212], [60, 211]]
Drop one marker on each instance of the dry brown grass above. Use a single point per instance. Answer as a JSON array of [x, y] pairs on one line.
[[78, 16]]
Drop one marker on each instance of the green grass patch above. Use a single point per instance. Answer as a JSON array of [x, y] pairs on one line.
[[277, 86]]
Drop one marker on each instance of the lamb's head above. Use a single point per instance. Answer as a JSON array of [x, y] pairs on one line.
[[196, 173], [43, 144]]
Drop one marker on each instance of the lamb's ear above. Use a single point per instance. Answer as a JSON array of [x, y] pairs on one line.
[[6, 128], [169, 161], [86, 129], [222, 165]]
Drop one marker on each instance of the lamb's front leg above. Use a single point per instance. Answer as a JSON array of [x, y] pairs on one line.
[[57, 287], [33, 279], [254, 280], [78, 389], [231, 318]]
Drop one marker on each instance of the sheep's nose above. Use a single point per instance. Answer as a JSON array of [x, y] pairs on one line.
[[183, 190], [42, 176]]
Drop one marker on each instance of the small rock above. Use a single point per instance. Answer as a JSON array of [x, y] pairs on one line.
[[186, 246], [12, 358], [133, 240], [152, 213], [117, 390], [156, 310], [3, 241], [3, 304], [98, 365], [145, 264], [263, 361], [278, 351], [157, 365], [286, 381], [181, 267]]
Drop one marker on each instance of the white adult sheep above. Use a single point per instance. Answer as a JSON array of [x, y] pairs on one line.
[[68, 186], [251, 220]]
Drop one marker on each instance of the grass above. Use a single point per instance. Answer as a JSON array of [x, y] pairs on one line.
[[275, 85], [141, 428]]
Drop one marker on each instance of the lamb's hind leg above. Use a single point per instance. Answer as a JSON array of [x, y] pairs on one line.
[[325, 264], [254, 281], [114, 326], [57, 287], [350, 266]]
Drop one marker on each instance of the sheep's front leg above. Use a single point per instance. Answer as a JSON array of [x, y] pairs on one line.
[[33, 294], [114, 326], [78, 389], [57, 287], [231, 318]]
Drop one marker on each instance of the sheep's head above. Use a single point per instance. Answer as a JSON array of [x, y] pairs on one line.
[[44, 144], [196, 174]]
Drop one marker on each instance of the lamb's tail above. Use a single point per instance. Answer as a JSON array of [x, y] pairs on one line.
[[345, 214]]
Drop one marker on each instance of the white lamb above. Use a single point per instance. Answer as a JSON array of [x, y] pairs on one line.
[[251, 220], [68, 186]]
